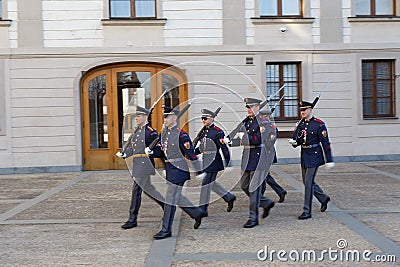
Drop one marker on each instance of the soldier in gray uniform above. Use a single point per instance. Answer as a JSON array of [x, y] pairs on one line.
[[176, 147], [310, 133], [212, 141], [279, 190], [258, 139], [143, 165]]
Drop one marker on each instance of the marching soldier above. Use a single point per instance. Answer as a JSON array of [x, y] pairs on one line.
[[176, 147], [143, 165], [279, 190], [310, 134], [211, 142], [258, 140]]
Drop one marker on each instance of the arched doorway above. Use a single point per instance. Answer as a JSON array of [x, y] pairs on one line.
[[105, 97]]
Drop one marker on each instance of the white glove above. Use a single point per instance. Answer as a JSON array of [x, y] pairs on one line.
[[227, 140], [330, 165], [201, 176], [292, 142], [120, 155], [229, 169], [148, 151], [240, 135]]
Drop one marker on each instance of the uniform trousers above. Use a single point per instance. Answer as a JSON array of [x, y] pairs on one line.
[[209, 184], [173, 198], [273, 184], [140, 184], [251, 184], [311, 188]]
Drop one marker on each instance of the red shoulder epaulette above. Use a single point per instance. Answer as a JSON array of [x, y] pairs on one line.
[[319, 121], [151, 129], [217, 128]]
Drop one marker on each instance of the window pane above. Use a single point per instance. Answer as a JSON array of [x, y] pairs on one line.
[[1, 9], [383, 106], [383, 70], [367, 107], [120, 8], [98, 113], [290, 7], [268, 7], [133, 90], [367, 70], [145, 8], [171, 84], [367, 88], [383, 88], [384, 7], [363, 7], [291, 108]]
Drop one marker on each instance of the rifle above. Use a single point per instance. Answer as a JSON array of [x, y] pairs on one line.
[[296, 131], [197, 138], [276, 104], [240, 125], [164, 129]]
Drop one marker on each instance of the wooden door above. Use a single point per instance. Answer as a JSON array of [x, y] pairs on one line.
[[109, 98]]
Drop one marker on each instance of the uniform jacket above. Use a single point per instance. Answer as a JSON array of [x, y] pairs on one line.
[[141, 138], [311, 135], [211, 142], [259, 140], [177, 147]]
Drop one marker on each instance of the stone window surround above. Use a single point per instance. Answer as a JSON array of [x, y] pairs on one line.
[[2, 100]]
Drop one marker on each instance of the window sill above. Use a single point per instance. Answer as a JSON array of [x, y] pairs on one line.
[[381, 118], [374, 19], [5, 22], [279, 20], [134, 22]]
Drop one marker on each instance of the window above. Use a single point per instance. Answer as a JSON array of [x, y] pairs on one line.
[[132, 8], [375, 7], [378, 77], [279, 74], [280, 8]]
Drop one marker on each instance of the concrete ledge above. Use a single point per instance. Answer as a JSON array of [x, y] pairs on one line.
[[43, 169]]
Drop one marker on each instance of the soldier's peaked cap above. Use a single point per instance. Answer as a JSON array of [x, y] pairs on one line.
[[266, 111], [170, 111], [142, 111], [251, 101], [207, 113], [305, 105]]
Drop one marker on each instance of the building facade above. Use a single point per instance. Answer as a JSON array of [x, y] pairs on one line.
[[71, 70]]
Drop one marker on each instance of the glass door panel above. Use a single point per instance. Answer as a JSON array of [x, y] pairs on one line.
[[98, 113], [133, 90]]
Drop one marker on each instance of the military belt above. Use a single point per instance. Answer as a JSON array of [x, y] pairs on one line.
[[209, 152], [174, 160], [262, 145], [310, 146], [139, 155]]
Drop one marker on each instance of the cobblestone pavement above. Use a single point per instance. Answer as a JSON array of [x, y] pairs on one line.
[[74, 219]]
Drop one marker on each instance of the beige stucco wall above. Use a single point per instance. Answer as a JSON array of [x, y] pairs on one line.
[[44, 105], [40, 97]]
